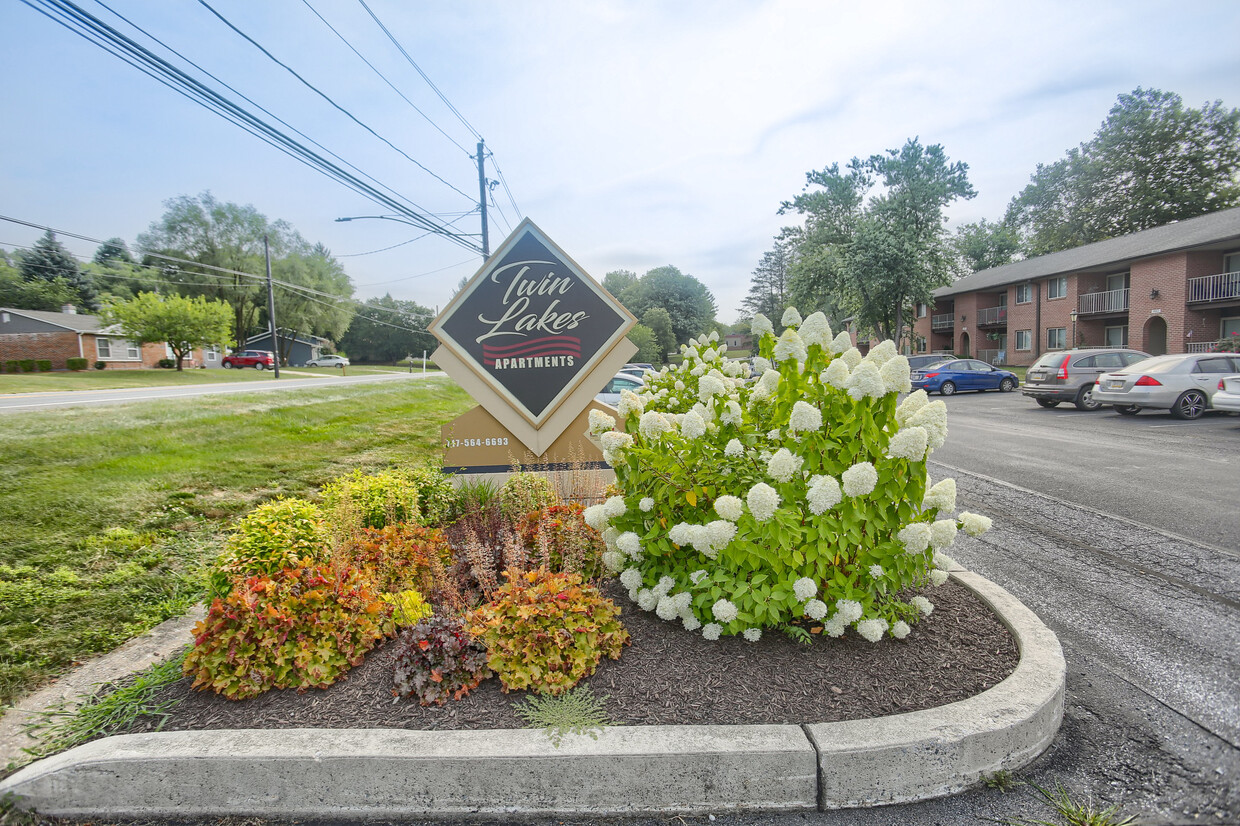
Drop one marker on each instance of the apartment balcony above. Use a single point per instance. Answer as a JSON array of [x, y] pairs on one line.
[[1222, 287], [942, 322], [992, 317], [1208, 346], [1111, 301]]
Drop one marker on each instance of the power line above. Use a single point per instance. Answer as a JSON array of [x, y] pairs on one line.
[[403, 243], [323, 95], [119, 45], [384, 77], [419, 275], [412, 63], [256, 105]]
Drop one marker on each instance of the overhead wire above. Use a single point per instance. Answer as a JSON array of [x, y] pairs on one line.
[[414, 64], [116, 43], [326, 97], [257, 105], [384, 78]]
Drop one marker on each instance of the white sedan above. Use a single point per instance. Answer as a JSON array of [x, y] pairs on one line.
[[1227, 396], [328, 361]]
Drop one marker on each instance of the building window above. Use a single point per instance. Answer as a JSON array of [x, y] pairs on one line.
[[104, 346], [921, 310], [1229, 327], [1231, 262], [1117, 336], [921, 344], [213, 353], [4, 318], [1056, 338], [1057, 287], [1024, 294], [132, 351], [1024, 340]]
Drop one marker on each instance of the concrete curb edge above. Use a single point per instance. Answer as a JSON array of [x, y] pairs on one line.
[[627, 770]]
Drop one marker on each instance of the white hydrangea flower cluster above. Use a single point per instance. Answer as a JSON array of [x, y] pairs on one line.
[[762, 500], [690, 427], [783, 465], [824, 493], [859, 479]]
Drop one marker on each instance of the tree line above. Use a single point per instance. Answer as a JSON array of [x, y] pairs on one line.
[[194, 260], [872, 241]]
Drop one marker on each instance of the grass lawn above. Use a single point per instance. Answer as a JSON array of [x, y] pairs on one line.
[[108, 513], [120, 379]]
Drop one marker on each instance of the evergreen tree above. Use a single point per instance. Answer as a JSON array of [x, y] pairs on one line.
[[48, 260]]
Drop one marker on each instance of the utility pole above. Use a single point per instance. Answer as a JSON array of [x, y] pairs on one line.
[[271, 307], [482, 200]]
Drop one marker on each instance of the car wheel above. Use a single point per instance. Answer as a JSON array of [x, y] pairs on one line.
[[341, 366], [1127, 409], [1190, 405], [228, 365], [948, 388], [260, 366], [1047, 402], [1085, 399], [1007, 386]]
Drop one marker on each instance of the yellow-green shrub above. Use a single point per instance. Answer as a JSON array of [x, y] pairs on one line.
[[524, 492], [286, 533], [372, 500]]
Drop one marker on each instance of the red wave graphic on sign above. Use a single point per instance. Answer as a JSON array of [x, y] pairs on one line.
[[545, 346]]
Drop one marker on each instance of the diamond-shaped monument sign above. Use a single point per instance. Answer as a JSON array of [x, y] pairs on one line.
[[531, 325]]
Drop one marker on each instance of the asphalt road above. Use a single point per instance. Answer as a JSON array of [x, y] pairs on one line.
[[24, 402]]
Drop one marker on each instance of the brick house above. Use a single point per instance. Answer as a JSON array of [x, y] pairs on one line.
[[1170, 289], [57, 337]]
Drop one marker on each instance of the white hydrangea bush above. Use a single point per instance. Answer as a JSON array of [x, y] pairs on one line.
[[794, 495]]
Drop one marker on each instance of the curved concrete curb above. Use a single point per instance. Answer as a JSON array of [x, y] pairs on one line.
[[628, 770]]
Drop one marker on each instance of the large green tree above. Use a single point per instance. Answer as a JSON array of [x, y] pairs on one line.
[[659, 321], [769, 286], [20, 294], [873, 256], [983, 245], [617, 281], [647, 348], [688, 302], [205, 233], [48, 260], [387, 330], [1152, 161], [184, 323]]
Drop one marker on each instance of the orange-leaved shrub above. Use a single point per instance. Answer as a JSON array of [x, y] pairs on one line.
[[559, 538], [302, 627], [545, 631], [284, 533]]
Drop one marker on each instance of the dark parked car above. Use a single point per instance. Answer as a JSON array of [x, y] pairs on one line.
[[963, 374], [925, 360], [1069, 375], [258, 359]]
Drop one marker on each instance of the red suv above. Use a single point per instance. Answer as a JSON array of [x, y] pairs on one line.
[[258, 359]]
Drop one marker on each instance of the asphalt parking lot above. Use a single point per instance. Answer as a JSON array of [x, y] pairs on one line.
[[1158, 471]]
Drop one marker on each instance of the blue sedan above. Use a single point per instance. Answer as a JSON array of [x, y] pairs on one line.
[[947, 377]]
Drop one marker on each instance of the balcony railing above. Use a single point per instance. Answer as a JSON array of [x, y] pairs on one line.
[[1111, 301], [1206, 346], [943, 321], [1222, 287], [992, 317]]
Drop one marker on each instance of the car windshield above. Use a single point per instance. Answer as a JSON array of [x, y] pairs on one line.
[[1050, 360], [1157, 364]]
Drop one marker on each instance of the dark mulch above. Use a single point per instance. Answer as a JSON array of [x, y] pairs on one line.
[[670, 676]]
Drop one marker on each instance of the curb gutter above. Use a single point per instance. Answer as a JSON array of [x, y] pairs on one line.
[[628, 770]]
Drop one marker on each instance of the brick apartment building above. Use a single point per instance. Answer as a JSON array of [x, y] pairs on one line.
[[57, 337], [1170, 289]]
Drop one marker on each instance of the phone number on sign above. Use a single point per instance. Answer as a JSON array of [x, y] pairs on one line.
[[497, 441]]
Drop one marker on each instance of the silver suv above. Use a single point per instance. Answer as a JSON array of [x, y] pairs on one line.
[[1069, 375]]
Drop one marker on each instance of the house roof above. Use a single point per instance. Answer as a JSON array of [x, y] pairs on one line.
[[78, 323], [1217, 228]]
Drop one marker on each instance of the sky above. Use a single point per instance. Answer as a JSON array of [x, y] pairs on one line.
[[634, 134]]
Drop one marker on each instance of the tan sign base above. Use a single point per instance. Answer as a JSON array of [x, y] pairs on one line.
[[478, 446]]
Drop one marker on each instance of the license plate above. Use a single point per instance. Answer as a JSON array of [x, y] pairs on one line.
[[1115, 384], [1037, 376]]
